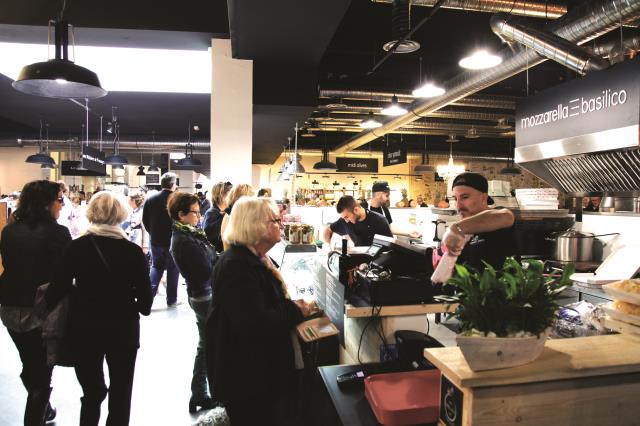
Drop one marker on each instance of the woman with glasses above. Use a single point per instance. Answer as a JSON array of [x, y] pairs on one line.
[[31, 247], [250, 355], [194, 256]]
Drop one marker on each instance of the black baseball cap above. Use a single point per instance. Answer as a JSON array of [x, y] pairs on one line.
[[381, 186], [473, 180]]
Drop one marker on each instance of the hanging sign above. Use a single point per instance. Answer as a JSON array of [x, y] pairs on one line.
[[93, 161], [394, 153], [72, 168], [152, 179], [601, 101], [357, 165]]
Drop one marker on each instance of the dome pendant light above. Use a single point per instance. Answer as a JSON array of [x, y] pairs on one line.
[[511, 169], [325, 164], [42, 157], [370, 122], [59, 77], [188, 161], [394, 109], [424, 167]]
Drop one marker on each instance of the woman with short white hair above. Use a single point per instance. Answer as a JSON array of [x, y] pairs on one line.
[[250, 356], [111, 289]]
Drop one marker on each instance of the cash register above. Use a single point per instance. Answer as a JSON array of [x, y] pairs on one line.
[[397, 273]]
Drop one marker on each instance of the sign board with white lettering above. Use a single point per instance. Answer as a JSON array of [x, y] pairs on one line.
[[357, 165], [93, 161], [394, 153], [72, 168], [603, 100]]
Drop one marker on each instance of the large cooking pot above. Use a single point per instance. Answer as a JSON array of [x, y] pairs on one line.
[[575, 246]]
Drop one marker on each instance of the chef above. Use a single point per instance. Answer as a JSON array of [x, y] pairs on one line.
[[491, 231], [356, 222]]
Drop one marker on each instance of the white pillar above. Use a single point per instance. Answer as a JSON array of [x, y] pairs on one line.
[[231, 115]]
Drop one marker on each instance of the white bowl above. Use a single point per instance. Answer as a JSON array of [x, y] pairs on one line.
[[492, 353]]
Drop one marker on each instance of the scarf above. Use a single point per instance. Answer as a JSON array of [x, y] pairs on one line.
[[197, 233], [111, 231]]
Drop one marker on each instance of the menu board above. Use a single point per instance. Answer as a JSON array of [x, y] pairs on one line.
[[395, 153]]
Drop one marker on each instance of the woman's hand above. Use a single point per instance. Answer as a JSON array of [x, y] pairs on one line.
[[306, 309]]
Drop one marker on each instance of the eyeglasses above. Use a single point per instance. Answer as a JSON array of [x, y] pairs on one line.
[[276, 220], [197, 213], [60, 200]]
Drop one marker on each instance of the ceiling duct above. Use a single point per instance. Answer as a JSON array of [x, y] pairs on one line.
[[616, 51], [584, 23], [477, 101], [549, 45], [400, 27], [533, 9]]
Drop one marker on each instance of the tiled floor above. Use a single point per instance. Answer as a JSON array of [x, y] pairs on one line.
[[161, 388]]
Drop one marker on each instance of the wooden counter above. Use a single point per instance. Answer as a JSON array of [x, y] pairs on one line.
[[389, 311], [587, 380]]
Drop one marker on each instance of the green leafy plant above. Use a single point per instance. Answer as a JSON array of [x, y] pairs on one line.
[[512, 300]]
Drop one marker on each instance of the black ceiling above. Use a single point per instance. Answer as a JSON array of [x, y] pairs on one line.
[[298, 47]]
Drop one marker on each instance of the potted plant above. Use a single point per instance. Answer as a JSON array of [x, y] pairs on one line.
[[504, 315]]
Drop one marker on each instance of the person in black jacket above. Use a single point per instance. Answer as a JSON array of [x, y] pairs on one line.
[[195, 256], [213, 217], [31, 248], [111, 289], [249, 347], [157, 222]]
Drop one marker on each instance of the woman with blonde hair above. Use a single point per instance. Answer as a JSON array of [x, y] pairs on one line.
[[250, 355], [111, 289], [213, 217], [237, 192]]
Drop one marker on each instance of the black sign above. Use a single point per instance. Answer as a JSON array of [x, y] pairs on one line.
[[152, 179], [357, 165], [93, 160], [72, 168], [334, 302], [603, 100], [395, 153], [451, 399]]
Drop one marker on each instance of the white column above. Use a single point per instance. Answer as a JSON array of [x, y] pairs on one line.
[[231, 115]]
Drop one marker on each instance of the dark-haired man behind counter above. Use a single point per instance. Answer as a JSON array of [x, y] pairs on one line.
[[356, 222]]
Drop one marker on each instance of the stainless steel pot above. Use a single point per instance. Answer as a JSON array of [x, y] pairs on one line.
[[575, 246]]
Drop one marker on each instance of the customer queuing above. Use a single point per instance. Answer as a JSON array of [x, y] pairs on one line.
[[195, 256], [31, 247], [234, 195], [134, 227], [156, 220], [111, 289], [214, 216], [249, 348]]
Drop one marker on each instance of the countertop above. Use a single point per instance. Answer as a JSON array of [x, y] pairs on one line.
[[561, 359]]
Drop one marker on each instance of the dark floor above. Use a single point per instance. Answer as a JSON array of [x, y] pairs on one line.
[[161, 388]]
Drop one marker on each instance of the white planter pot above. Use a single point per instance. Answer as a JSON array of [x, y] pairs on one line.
[[492, 353]]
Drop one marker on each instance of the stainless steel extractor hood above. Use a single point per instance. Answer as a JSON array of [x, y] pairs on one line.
[[583, 137]]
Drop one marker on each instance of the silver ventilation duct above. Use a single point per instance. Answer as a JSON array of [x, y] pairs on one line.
[[533, 9], [477, 101], [129, 146], [549, 45], [582, 24]]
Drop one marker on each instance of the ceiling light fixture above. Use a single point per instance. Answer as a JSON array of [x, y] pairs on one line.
[[42, 156], [511, 169], [116, 158], [141, 171], [424, 167], [452, 138], [325, 164], [428, 90], [472, 133], [59, 77], [370, 122], [449, 170], [189, 161], [480, 60], [394, 109], [503, 124], [153, 167]]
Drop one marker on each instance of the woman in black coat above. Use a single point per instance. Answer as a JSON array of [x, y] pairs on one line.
[[213, 217], [31, 248], [111, 289], [249, 346], [194, 255]]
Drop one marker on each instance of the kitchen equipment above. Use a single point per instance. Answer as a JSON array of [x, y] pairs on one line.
[[575, 246], [608, 204], [627, 204]]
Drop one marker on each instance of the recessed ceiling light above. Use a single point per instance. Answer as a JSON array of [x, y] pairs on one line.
[[480, 60], [125, 69]]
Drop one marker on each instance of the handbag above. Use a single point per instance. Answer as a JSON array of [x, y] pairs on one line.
[[54, 325]]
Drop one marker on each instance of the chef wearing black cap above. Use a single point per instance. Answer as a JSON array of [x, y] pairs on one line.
[[380, 200], [493, 238]]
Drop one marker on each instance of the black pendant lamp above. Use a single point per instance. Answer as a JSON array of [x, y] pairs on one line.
[[189, 161], [59, 77], [325, 164], [424, 167], [511, 169], [42, 156], [116, 159], [141, 171]]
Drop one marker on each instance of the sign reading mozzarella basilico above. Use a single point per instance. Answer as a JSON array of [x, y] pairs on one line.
[[601, 101], [361, 165]]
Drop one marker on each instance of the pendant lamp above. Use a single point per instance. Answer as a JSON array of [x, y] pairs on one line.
[[141, 171], [116, 158], [325, 164], [424, 167], [59, 77], [42, 156], [189, 161], [511, 169]]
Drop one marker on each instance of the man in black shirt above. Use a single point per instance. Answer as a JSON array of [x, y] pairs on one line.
[[359, 224], [380, 193], [493, 238]]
